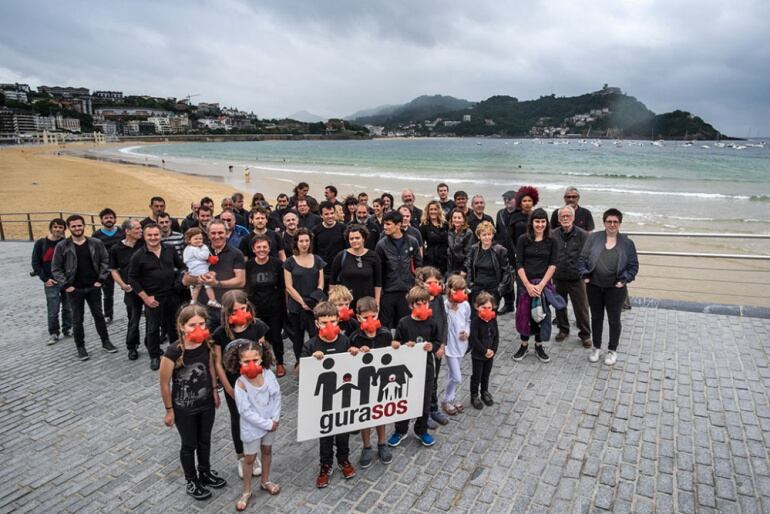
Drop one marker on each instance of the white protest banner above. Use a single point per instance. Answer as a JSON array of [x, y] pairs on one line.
[[344, 393]]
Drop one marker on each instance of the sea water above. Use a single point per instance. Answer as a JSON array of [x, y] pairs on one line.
[[671, 187]]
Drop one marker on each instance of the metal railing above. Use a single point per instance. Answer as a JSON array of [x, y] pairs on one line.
[[761, 257], [28, 226]]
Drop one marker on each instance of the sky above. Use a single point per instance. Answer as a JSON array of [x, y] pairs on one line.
[[333, 58]]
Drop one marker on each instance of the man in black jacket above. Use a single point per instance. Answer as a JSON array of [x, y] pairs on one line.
[[109, 235], [80, 265], [567, 281], [400, 256], [55, 297], [503, 237]]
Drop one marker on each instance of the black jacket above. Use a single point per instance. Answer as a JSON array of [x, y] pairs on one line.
[[502, 268], [517, 227], [628, 262], [570, 246], [459, 245], [398, 267], [65, 262]]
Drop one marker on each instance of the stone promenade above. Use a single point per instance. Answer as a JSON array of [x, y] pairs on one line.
[[680, 424]]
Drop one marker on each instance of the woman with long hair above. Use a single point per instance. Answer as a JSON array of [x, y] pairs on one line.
[[459, 242], [433, 229]]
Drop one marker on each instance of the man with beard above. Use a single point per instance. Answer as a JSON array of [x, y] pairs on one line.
[[258, 221], [80, 265], [170, 238], [120, 259], [583, 217], [109, 235], [158, 205], [407, 199], [55, 297], [307, 219], [328, 239]]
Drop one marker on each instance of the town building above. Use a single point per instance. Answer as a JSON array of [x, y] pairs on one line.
[[109, 96], [66, 92]]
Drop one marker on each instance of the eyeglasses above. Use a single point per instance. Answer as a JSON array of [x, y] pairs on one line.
[[611, 222]]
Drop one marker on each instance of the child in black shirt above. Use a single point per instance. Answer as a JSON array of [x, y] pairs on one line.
[[329, 341], [431, 279], [483, 340], [418, 328]]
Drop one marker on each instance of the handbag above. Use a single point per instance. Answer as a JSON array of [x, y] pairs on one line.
[[536, 310]]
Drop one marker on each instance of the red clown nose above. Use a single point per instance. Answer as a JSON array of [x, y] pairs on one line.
[[251, 369], [345, 313], [422, 312], [487, 314], [329, 331], [434, 289], [240, 318], [459, 296], [370, 324], [199, 335]]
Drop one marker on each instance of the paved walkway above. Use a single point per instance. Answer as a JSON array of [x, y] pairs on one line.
[[680, 424]]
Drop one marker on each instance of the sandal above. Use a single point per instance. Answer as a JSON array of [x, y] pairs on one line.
[[270, 487], [242, 502]]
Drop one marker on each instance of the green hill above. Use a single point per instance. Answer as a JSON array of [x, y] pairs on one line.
[[420, 109]]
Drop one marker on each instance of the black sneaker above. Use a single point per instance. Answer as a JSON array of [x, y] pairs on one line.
[[108, 320], [82, 353], [476, 402], [521, 353], [133, 354], [540, 351], [109, 347], [66, 332], [212, 479], [197, 491], [155, 363], [487, 398]]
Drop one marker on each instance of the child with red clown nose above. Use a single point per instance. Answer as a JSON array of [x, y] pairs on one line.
[[191, 400], [458, 313], [258, 397], [238, 322], [484, 339]]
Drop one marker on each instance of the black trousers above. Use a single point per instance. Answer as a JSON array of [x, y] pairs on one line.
[[299, 323], [93, 297], [480, 375], [326, 448], [195, 431], [275, 322], [434, 393], [393, 307], [421, 423], [235, 418], [610, 299], [108, 296], [574, 290], [134, 312], [165, 315]]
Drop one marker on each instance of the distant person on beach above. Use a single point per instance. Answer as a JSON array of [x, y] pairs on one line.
[[246, 175], [301, 193], [158, 205], [567, 280], [192, 218], [447, 204], [433, 230], [55, 298], [307, 219], [330, 195], [80, 264], [170, 238], [583, 217], [461, 203], [109, 234], [407, 199], [503, 237], [607, 263], [477, 215], [152, 275], [120, 260], [230, 168]]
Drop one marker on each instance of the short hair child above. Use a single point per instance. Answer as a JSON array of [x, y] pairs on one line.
[[456, 283], [417, 294], [484, 340], [366, 304], [340, 296]]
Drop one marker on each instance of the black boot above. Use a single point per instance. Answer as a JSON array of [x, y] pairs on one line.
[[476, 402]]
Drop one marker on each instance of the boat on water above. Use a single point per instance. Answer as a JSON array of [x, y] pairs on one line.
[[659, 142]]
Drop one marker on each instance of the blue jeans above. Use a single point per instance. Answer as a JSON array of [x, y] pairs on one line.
[[56, 298]]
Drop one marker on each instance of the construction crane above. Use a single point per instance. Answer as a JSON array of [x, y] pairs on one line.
[[191, 96]]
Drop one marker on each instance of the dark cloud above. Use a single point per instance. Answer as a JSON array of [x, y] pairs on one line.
[[333, 58]]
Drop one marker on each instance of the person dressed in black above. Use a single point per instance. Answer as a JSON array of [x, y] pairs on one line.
[[459, 242], [483, 341], [291, 225], [55, 297], [477, 214], [258, 220], [307, 218], [368, 221], [109, 235], [265, 288], [303, 276], [357, 268], [191, 401], [400, 256], [487, 265], [152, 276], [447, 204], [583, 217], [80, 265], [158, 205], [435, 239], [536, 258], [502, 237], [525, 200], [120, 261], [239, 323], [328, 238]]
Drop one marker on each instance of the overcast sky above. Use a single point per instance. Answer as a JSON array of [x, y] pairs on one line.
[[333, 58]]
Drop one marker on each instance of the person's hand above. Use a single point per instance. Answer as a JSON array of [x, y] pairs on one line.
[[364, 349], [440, 352], [69, 289], [532, 291], [463, 335], [318, 355], [151, 302], [410, 344], [353, 350], [127, 288], [97, 285], [305, 306], [168, 420], [490, 353], [586, 280], [395, 345], [217, 401], [619, 284], [50, 282], [428, 347], [275, 426]]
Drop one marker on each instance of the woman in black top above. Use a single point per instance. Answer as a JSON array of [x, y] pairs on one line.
[[302, 274], [433, 229], [387, 202], [349, 208], [525, 201], [238, 322], [358, 268], [536, 255], [264, 285], [487, 265], [191, 400], [459, 242]]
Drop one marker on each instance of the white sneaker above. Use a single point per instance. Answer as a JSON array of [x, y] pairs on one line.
[[257, 469], [611, 358], [240, 467], [595, 354], [52, 339]]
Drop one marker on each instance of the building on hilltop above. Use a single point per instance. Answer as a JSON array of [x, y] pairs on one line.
[[110, 96], [23, 88], [66, 92], [608, 90], [15, 95]]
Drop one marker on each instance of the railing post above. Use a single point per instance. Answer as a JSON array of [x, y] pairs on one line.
[[29, 227], [93, 224], [2, 231]]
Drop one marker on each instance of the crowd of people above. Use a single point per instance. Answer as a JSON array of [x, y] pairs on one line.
[[226, 289]]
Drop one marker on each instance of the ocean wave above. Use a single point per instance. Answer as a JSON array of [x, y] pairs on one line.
[[615, 175], [760, 198]]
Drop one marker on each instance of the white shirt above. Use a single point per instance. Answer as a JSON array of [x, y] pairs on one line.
[[457, 321], [196, 259], [258, 406]]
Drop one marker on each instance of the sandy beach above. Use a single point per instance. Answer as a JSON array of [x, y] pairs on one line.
[[37, 179]]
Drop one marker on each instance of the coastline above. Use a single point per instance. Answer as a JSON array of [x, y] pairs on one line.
[[87, 178]]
